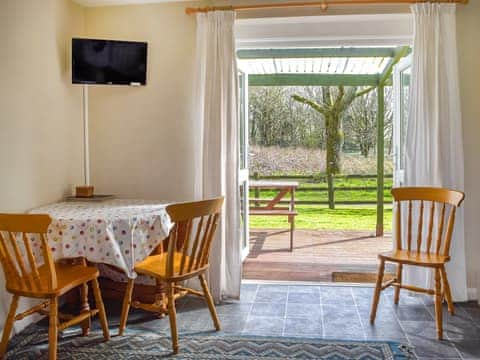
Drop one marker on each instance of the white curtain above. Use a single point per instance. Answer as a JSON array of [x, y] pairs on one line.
[[216, 130], [434, 146]]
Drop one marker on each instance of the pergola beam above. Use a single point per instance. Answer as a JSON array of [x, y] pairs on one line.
[[388, 71], [316, 53], [312, 80]]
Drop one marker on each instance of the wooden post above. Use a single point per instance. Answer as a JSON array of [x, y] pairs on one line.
[[331, 192], [380, 156], [257, 190]]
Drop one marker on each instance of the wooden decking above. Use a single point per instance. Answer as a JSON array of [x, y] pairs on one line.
[[316, 254]]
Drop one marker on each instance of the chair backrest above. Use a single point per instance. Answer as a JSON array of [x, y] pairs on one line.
[[16, 256], [191, 238], [435, 229]]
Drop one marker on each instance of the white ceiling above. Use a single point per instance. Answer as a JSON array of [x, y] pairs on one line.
[[122, 2], [324, 31]]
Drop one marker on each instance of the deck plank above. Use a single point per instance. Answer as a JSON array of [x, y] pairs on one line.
[[316, 254]]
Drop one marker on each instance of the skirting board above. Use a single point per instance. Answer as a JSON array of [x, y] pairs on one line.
[[472, 294]]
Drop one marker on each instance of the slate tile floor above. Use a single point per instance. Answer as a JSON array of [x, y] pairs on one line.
[[336, 312]]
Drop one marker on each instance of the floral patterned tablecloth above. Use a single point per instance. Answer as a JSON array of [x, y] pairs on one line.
[[117, 232]]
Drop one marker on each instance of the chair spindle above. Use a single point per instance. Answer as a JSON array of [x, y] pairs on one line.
[[440, 230], [430, 227], [409, 234]]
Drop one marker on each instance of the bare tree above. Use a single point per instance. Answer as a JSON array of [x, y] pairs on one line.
[[333, 104]]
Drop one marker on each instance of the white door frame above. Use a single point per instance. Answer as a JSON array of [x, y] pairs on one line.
[[399, 170], [243, 172]]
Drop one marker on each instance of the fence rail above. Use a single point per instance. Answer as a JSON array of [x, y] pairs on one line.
[[319, 179]]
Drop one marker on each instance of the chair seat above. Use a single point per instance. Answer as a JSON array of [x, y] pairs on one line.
[[68, 277], [156, 265], [414, 258]]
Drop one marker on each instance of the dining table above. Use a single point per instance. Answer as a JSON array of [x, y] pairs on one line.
[[115, 232]]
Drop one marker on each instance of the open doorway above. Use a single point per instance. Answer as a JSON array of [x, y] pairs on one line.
[[324, 119]]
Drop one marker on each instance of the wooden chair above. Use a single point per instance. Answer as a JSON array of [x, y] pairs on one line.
[[432, 246], [187, 257], [26, 276]]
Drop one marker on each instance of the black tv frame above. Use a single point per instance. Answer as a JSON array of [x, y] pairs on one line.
[[81, 82]]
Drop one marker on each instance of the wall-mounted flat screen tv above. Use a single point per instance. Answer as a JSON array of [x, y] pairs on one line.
[[109, 62]]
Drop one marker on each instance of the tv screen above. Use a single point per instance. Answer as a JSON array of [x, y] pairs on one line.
[[109, 62]]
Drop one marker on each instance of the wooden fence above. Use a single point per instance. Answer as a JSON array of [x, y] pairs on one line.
[[322, 179]]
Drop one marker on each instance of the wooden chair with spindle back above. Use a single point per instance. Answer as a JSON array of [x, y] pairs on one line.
[[431, 248], [189, 245], [41, 278]]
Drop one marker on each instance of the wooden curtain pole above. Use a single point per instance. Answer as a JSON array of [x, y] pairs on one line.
[[323, 5]]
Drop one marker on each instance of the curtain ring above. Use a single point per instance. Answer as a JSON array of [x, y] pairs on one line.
[[324, 6]]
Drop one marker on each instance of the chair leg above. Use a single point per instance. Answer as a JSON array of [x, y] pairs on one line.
[[101, 309], [172, 316], [7, 328], [378, 289], [438, 304], [53, 329], [447, 291], [209, 300], [127, 300], [396, 297], [85, 306]]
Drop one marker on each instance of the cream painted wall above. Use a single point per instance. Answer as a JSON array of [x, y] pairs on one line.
[[141, 139], [468, 33], [40, 116]]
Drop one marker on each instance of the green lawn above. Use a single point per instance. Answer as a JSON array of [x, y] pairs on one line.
[[320, 217], [343, 217]]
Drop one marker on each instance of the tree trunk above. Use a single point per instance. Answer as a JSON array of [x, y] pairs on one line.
[[331, 192], [334, 141]]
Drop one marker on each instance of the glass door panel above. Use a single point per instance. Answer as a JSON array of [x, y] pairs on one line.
[[402, 78], [243, 162]]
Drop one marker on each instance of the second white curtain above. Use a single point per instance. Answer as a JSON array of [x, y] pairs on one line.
[[216, 129], [434, 146]]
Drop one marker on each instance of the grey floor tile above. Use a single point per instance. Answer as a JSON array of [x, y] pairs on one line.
[[473, 310], [314, 290], [233, 308], [303, 326], [469, 349], [420, 329], [249, 287], [337, 295], [274, 288], [271, 297], [268, 309], [437, 358], [423, 336], [303, 297], [384, 329], [383, 312], [267, 326], [434, 348], [232, 324], [312, 311], [194, 322], [248, 292], [336, 312], [342, 330], [330, 312], [413, 313]]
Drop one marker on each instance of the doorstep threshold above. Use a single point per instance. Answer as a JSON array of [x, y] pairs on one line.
[[305, 283]]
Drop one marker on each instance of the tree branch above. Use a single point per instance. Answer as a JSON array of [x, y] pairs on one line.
[[310, 103], [365, 91]]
